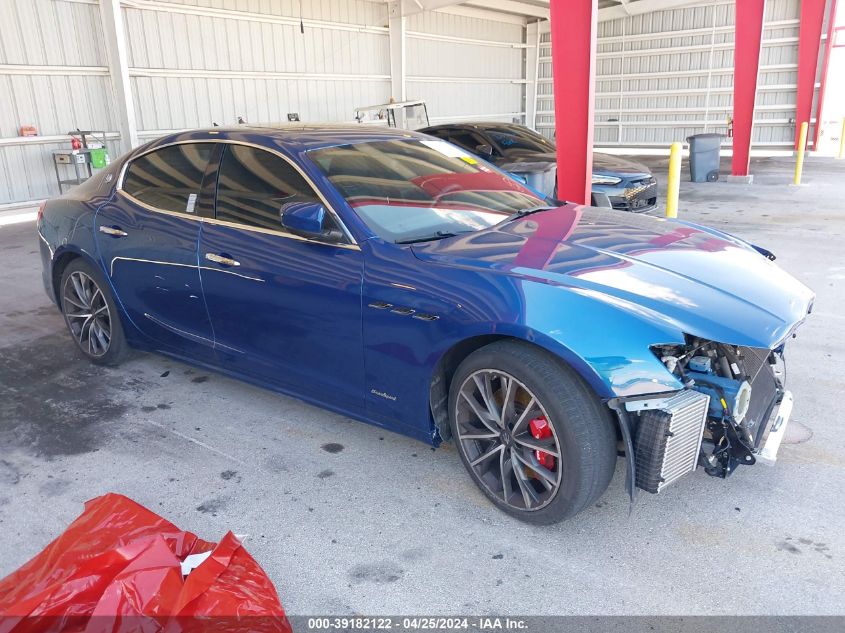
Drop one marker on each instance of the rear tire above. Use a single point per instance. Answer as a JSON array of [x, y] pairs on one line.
[[91, 315], [500, 400]]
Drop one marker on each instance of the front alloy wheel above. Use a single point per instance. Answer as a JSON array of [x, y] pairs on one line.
[[505, 433], [532, 434]]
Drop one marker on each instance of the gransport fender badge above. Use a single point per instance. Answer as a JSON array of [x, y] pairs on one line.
[[383, 394]]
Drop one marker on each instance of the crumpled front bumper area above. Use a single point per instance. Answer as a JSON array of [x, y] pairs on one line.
[[776, 429], [670, 436]]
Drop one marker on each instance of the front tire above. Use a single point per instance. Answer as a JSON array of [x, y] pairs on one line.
[[533, 436], [91, 314]]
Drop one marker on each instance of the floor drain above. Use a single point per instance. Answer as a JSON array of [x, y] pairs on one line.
[[797, 433]]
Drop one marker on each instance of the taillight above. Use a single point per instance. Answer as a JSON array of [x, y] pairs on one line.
[[40, 215]]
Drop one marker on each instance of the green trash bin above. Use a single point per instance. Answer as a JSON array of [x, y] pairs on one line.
[[99, 157]]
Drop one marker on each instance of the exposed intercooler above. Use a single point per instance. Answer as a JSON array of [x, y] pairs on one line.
[[668, 440]]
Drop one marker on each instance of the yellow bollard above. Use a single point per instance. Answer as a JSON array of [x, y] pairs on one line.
[[799, 158], [673, 184], [842, 141]]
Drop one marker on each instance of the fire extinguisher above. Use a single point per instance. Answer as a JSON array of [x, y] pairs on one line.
[[730, 127]]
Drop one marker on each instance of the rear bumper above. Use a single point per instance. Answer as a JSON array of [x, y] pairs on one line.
[[46, 267]]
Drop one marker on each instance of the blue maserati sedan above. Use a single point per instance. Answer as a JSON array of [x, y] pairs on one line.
[[399, 280]]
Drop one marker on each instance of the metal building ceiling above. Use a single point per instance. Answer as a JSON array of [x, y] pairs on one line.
[[533, 9]]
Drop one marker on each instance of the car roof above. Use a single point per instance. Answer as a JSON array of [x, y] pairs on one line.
[[478, 125], [295, 136]]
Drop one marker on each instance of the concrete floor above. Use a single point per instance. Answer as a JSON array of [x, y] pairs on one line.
[[387, 525]]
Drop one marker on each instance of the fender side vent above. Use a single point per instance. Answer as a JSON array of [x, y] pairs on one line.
[[668, 440]]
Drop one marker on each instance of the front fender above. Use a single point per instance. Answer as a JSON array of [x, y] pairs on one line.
[[605, 345], [606, 342]]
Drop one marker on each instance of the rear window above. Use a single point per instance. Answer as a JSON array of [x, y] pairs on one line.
[[521, 139], [169, 178]]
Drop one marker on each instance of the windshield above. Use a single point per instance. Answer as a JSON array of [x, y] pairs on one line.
[[521, 139], [408, 190]]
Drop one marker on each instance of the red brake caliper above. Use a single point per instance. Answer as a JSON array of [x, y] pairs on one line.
[[541, 430]]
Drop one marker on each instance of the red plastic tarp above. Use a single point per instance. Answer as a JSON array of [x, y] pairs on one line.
[[117, 567]]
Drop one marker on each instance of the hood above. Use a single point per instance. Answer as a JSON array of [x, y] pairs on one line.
[[697, 280], [516, 159], [607, 163], [521, 161]]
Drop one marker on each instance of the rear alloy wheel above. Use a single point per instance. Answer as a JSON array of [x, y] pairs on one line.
[[531, 433], [90, 314]]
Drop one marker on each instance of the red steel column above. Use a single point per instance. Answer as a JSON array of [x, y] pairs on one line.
[[748, 34], [827, 46], [809, 39], [573, 30]]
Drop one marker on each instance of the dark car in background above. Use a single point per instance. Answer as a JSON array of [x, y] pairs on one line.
[[617, 183]]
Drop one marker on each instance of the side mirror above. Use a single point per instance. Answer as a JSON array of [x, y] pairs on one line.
[[484, 150], [306, 219]]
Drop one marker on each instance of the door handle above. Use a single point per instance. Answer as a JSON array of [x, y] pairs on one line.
[[113, 231], [222, 260]]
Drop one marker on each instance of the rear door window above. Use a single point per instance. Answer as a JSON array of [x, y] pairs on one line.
[[170, 178]]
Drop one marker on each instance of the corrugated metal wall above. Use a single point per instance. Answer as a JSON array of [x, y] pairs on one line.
[[665, 75], [661, 76], [194, 62], [466, 68], [53, 75]]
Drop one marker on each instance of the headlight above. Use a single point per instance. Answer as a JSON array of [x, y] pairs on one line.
[[599, 179]]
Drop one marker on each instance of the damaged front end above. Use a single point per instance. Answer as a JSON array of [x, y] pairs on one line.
[[732, 411]]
